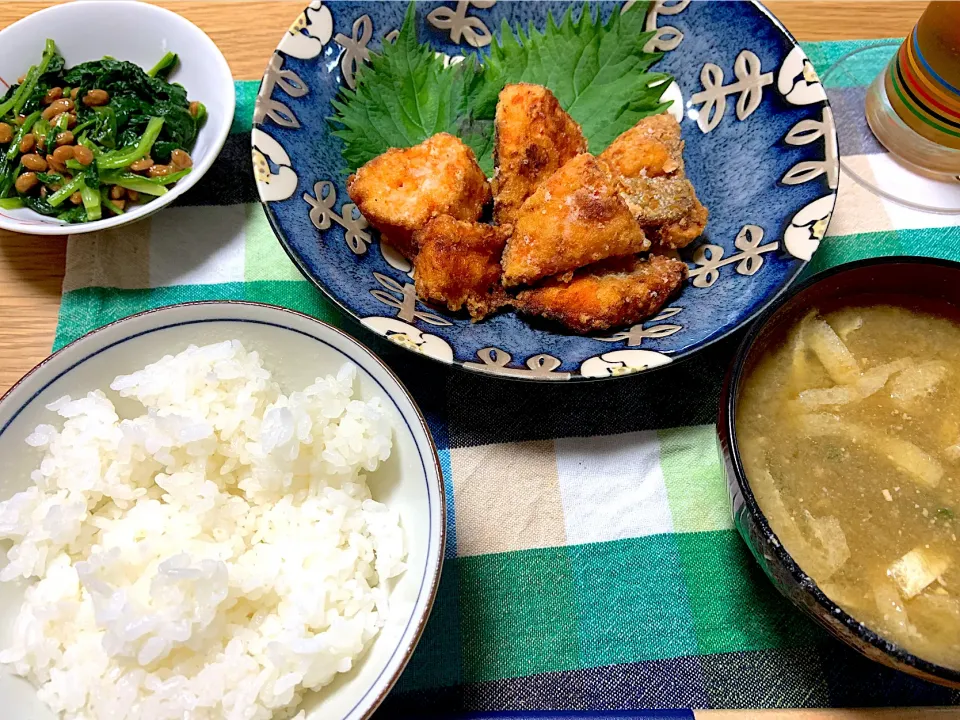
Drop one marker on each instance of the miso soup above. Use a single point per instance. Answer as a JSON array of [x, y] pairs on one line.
[[849, 431]]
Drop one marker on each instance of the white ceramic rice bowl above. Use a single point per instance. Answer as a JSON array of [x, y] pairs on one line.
[[141, 34], [296, 349]]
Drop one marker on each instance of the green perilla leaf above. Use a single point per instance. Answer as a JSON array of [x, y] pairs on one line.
[[598, 71]]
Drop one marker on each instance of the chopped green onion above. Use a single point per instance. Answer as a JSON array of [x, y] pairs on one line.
[[14, 203], [65, 192], [123, 158], [91, 201], [21, 133]]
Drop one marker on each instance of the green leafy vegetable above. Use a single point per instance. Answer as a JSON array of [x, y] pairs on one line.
[[150, 186], [123, 158], [138, 113], [18, 100], [91, 202], [108, 203], [406, 95], [11, 203], [39, 205], [598, 70], [50, 178], [166, 65], [61, 195], [8, 175], [74, 214], [41, 131], [21, 132]]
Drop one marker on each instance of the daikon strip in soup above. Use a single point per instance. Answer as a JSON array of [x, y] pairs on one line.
[[848, 426]]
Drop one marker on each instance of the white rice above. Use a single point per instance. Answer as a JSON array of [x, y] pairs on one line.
[[213, 557]]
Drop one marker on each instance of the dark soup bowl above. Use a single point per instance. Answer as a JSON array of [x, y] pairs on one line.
[[913, 279]]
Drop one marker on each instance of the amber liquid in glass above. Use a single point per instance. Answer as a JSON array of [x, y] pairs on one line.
[[913, 107]]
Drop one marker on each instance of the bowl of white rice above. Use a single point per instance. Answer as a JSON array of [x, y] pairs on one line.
[[213, 511]]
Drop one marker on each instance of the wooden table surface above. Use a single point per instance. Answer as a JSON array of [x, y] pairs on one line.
[[247, 31]]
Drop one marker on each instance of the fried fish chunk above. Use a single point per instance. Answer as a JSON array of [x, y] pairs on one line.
[[535, 137], [400, 191], [575, 218], [651, 148], [659, 200], [649, 160], [679, 234], [609, 294], [459, 264]]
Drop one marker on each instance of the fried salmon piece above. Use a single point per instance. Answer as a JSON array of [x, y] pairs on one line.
[[400, 191], [575, 218], [459, 264], [650, 148], [659, 200], [535, 137], [609, 294], [679, 234], [649, 160]]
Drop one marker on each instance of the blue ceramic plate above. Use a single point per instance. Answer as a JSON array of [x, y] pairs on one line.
[[761, 149]]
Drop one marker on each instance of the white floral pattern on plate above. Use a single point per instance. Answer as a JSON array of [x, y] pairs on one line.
[[410, 337], [273, 186], [622, 362], [808, 227], [310, 32]]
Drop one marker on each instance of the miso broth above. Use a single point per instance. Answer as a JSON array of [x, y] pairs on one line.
[[849, 431]]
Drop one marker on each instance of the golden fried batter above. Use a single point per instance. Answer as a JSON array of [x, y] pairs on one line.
[[535, 138], [659, 200], [459, 264], [575, 218], [610, 294], [649, 159], [401, 190], [679, 234], [650, 148]]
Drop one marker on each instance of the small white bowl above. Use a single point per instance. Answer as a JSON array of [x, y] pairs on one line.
[[296, 349], [142, 34]]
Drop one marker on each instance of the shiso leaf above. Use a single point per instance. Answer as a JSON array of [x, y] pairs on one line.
[[598, 71], [404, 96]]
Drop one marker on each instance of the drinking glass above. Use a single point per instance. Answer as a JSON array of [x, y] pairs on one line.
[[913, 109]]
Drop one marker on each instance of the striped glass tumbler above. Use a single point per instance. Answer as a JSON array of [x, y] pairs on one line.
[[913, 107]]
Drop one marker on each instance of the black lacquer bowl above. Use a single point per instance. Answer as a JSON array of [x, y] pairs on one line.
[[903, 276]]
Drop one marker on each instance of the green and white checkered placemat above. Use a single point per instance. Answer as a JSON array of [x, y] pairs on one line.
[[592, 560]]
